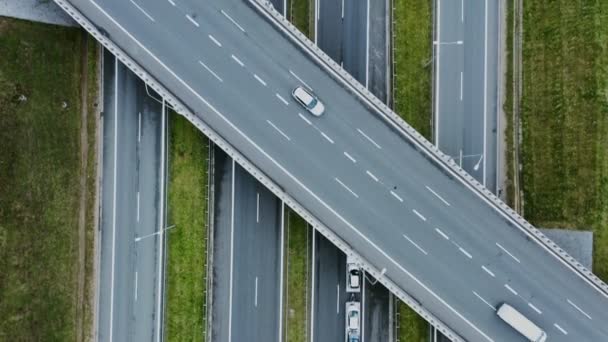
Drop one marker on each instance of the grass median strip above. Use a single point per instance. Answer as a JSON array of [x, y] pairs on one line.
[[297, 277], [299, 14], [40, 168], [411, 327], [187, 243]]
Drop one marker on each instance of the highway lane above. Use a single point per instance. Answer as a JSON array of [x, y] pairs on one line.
[[466, 88], [323, 178], [131, 271], [376, 306], [247, 259]]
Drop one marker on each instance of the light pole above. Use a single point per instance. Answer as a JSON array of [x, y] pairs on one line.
[[139, 238], [376, 279], [476, 167]]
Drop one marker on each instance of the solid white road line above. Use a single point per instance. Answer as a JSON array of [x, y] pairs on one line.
[[278, 130], [327, 137], [338, 298], [255, 300], [560, 329], [464, 251], [415, 245], [312, 290], [368, 138], [233, 21], [281, 265], [192, 20], [142, 10], [367, 49], [506, 251], [211, 71], [350, 157], [485, 301], [485, 90], [579, 309], [304, 118], [299, 79], [135, 291], [510, 289], [282, 99], [161, 225], [419, 215], [171, 2], [342, 9], [347, 188], [257, 208], [259, 79], [438, 73], [215, 40], [139, 127], [462, 11], [237, 60], [437, 195], [396, 196], [138, 206], [535, 308], [442, 233], [231, 254], [114, 198], [371, 175], [488, 271]]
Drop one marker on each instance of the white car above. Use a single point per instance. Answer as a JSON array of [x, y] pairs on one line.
[[308, 100], [353, 320], [353, 276]]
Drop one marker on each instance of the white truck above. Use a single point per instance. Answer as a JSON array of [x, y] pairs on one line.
[[520, 323]]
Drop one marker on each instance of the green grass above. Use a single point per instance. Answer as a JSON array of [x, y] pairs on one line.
[[187, 248], [297, 280], [412, 328], [299, 15], [565, 113], [40, 168], [508, 106], [413, 64]]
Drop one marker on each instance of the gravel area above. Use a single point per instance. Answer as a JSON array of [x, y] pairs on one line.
[[45, 11]]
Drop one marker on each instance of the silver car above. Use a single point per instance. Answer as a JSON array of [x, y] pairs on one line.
[[308, 100]]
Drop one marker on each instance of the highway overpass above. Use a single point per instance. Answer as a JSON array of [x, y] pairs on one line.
[[360, 175]]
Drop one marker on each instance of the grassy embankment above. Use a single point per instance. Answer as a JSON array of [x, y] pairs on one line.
[[297, 280], [187, 242], [412, 101], [565, 118], [40, 168]]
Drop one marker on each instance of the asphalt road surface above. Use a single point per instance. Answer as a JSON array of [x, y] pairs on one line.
[[280, 6], [247, 257], [131, 272], [377, 312], [466, 107], [391, 202]]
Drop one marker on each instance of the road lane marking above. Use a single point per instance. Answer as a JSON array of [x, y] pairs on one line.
[[350, 157], [488, 271], [346, 187], [231, 253], [462, 11], [437, 74], [233, 21], [535, 308], [211, 71], [396, 196], [338, 298], [419, 215], [560, 329], [367, 48], [282, 267], [299, 79], [461, 86], [255, 300], [237, 60], [114, 197], [368, 138], [192, 20], [312, 290], [510, 289], [465, 252], [135, 292], [162, 224], [327, 137], [171, 2], [215, 40], [485, 90], [138, 206], [139, 127], [371, 175], [485, 301], [305, 118], [282, 99], [259, 79], [579, 309], [257, 208], [278, 130], [142, 10], [442, 233], [437, 195], [506, 251], [415, 244]]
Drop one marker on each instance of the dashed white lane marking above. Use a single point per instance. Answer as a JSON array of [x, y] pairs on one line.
[[282, 99], [304, 118], [488, 271], [255, 300], [346, 187], [257, 208], [415, 244], [371, 175], [211, 71], [442, 233], [237, 60], [350, 157], [138, 206], [419, 215], [135, 294], [461, 86], [232, 20], [437, 195], [337, 298], [483, 300], [560, 329], [259, 79], [510, 289], [327, 137], [579, 309], [535, 308], [506, 251], [464, 251], [142, 10], [194, 22], [368, 138], [215, 40], [171, 2], [299, 79], [396, 196], [278, 130]]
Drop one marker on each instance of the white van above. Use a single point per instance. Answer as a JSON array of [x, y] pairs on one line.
[[520, 323]]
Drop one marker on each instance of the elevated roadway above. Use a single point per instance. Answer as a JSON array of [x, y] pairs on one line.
[[446, 247]]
